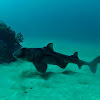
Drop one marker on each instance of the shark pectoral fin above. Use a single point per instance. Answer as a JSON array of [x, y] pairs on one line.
[[62, 65], [41, 67]]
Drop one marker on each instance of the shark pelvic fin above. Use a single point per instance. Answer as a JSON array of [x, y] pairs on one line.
[[79, 66], [62, 65], [50, 46], [41, 67]]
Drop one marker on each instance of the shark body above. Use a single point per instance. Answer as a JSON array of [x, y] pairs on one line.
[[41, 57]]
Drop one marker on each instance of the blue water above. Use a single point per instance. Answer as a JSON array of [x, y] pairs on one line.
[[73, 20], [69, 20]]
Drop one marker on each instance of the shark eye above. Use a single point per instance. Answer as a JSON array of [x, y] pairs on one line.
[[27, 54], [24, 49]]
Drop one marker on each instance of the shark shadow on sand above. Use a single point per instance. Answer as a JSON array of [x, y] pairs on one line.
[[28, 74]]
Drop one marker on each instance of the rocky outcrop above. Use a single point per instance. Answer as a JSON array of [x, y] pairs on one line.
[[9, 42]]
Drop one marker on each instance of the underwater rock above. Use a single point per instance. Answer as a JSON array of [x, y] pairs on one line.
[[9, 43]]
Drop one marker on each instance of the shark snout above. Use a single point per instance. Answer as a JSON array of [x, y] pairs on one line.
[[17, 53], [14, 54]]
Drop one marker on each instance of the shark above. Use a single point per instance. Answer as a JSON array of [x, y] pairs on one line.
[[41, 57]]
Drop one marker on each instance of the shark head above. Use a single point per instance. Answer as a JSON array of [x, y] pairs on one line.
[[23, 54]]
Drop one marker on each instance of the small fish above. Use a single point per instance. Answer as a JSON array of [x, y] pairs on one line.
[[40, 57]]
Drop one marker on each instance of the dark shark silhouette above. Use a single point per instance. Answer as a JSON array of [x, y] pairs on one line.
[[40, 57]]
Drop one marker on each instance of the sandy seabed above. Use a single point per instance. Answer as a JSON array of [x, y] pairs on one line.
[[21, 81]]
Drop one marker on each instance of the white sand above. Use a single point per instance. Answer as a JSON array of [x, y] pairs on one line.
[[21, 81]]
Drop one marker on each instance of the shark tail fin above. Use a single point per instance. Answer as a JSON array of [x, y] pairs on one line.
[[93, 64]]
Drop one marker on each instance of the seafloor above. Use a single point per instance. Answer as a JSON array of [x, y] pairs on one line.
[[21, 81]]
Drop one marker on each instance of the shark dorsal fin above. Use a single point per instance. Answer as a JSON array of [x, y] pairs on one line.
[[50, 46], [75, 55]]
